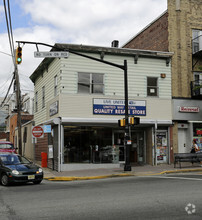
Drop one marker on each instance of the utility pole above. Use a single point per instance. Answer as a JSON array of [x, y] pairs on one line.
[[18, 101]]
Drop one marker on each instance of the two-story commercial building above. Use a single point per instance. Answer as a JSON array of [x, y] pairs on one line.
[[83, 99]]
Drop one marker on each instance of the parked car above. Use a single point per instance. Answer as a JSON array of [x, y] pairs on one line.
[[17, 169], [6, 146]]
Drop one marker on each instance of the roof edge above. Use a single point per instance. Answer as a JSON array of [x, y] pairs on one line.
[[145, 28]]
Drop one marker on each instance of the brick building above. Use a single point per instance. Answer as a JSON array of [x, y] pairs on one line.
[[13, 125], [179, 30]]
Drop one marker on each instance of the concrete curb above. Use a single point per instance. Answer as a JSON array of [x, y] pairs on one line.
[[182, 171], [73, 178]]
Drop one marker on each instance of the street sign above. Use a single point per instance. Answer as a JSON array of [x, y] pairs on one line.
[[37, 132], [53, 54], [47, 128]]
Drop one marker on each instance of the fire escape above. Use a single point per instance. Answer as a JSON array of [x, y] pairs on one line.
[[196, 85]]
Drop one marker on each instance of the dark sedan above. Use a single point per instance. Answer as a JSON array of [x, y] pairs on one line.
[[17, 169]]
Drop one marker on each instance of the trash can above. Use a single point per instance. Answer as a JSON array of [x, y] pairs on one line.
[[44, 159]]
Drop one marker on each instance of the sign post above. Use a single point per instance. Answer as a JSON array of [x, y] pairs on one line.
[[37, 132]]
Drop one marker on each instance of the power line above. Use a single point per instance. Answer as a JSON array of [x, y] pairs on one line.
[[16, 75], [9, 28], [7, 91], [4, 84]]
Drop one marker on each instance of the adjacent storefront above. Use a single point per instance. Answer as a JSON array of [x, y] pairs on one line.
[[188, 119]]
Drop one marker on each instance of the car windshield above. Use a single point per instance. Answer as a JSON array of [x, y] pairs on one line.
[[12, 159], [5, 146]]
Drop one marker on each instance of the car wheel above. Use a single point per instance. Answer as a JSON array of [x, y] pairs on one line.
[[37, 181], [4, 180]]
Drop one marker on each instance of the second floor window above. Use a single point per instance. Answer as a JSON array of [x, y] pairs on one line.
[[91, 83], [196, 40], [152, 86]]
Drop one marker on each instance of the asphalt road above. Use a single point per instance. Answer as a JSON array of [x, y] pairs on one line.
[[150, 197]]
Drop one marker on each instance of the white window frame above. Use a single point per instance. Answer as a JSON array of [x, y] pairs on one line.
[[154, 89], [91, 83], [196, 40]]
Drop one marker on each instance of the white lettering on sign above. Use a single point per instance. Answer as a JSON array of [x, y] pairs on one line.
[[117, 107], [54, 54], [189, 109], [37, 132]]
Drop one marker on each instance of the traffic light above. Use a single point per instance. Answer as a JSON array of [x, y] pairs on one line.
[[18, 56], [134, 120], [122, 122]]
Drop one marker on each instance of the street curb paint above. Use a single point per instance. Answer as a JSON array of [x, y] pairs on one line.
[[74, 178]]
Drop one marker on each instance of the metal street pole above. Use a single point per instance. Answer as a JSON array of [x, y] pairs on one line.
[[127, 139]]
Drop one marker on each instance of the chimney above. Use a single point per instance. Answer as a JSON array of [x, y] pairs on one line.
[[177, 5], [115, 43]]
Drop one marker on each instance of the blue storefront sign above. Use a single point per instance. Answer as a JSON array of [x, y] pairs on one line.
[[47, 128], [117, 107]]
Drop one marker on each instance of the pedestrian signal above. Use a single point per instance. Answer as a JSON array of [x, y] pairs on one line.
[[122, 122], [134, 120]]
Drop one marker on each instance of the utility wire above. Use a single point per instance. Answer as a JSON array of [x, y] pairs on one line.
[[9, 28], [3, 85], [8, 91], [11, 42]]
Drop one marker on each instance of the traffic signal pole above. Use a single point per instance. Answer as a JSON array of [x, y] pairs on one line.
[[127, 138]]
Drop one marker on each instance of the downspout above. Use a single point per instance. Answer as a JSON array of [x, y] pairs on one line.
[[57, 121], [59, 148]]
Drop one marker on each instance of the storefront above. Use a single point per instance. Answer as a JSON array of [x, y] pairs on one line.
[[92, 143], [98, 144], [188, 122]]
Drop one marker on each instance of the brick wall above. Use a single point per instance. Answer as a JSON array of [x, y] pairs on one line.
[[41, 146], [3, 135], [155, 37], [13, 125], [180, 25]]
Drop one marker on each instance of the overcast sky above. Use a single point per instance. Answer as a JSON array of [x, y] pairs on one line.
[[90, 22]]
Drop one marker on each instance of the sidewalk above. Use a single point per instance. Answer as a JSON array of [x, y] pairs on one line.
[[118, 172]]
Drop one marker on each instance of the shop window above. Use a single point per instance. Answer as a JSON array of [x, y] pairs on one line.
[[90, 83], [197, 134], [152, 86], [87, 145]]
